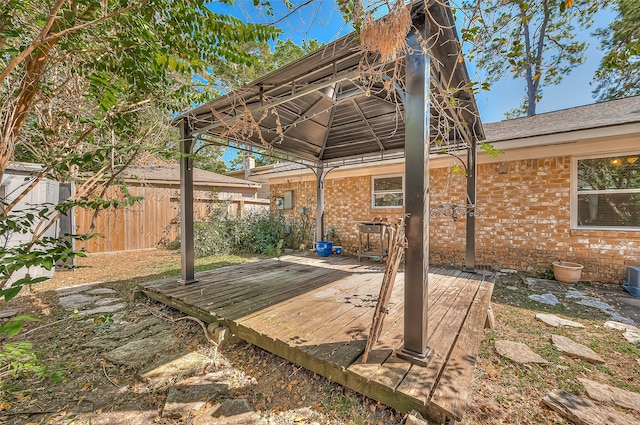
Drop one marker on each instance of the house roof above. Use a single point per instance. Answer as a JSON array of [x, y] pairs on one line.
[[170, 174], [326, 106], [597, 115], [24, 167]]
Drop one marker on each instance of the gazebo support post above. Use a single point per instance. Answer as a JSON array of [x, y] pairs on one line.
[[186, 204], [470, 245], [320, 175], [416, 177]]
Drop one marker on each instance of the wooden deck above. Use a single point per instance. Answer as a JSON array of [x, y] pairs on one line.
[[316, 312]]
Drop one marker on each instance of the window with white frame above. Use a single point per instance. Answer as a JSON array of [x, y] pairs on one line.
[[607, 191], [387, 192]]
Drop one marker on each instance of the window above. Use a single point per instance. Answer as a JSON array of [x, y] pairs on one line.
[[387, 192], [607, 192]]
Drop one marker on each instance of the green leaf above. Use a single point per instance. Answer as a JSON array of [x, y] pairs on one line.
[[14, 325], [9, 293], [47, 263]]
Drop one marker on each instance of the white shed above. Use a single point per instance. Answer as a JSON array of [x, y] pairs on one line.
[[16, 179]]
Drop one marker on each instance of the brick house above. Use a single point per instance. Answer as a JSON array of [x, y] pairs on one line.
[[566, 187]]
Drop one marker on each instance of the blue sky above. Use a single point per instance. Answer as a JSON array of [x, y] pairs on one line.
[[322, 20]]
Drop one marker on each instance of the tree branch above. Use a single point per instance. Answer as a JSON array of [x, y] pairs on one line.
[[94, 22], [34, 44], [53, 38]]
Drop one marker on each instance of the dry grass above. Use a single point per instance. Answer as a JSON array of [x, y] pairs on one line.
[[502, 391], [507, 392]]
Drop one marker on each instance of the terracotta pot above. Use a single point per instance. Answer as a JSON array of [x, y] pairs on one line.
[[567, 272]]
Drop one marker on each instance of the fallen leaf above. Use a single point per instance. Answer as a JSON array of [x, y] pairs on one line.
[[5, 405], [86, 386]]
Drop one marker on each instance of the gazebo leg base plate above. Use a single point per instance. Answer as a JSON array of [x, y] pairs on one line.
[[187, 281], [420, 359]]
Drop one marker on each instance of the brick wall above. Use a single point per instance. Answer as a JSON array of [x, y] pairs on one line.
[[523, 222]]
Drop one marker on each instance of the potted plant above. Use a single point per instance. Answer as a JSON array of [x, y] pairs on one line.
[[567, 272], [332, 235]]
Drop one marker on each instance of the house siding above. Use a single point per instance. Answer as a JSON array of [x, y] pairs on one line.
[[523, 222]]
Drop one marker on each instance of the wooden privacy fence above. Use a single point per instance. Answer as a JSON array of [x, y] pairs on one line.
[[155, 219]]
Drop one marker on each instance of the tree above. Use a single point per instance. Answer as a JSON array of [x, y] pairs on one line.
[[619, 72], [265, 61], [125, 61], [210, 158], [87, 86], [531, 39]]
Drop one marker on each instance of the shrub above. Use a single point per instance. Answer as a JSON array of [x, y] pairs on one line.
[[254, 234]]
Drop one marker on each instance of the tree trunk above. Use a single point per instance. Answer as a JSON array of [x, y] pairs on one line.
[[25, 98]]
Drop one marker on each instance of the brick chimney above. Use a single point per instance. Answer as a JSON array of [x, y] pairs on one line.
[[249, 163]]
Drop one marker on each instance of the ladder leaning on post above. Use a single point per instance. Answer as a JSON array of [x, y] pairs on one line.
[[396, 251]]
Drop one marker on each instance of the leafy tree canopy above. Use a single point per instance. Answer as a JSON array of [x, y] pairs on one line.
[[85, 88], [619, 73], [118, 57]]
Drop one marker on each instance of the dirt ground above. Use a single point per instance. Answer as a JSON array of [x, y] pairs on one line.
[[59, 381]]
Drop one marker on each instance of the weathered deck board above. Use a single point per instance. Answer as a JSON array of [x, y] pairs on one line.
[[317, 312], [463, 357]]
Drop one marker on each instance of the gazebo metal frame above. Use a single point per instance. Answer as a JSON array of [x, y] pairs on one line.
[[342, 105]]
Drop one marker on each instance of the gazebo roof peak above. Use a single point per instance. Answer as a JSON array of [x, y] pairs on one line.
[[343, 102]]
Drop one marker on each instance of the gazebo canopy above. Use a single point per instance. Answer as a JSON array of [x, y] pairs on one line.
[[342, 102]]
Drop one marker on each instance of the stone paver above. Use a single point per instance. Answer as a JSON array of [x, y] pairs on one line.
[[107, 301], [595, 303], [575, 350], [190, 364], [111, 308], [518, 352], [184, 400], [139, 352], [548, 299], [620, 326], [232, 407], [574, 293], [76, 301], [632, 336], [128, 331], [619, 318], [101, 291], [76, 289], [415, 418], [544, 285], [606, 394], [582, 411], [555, 321]]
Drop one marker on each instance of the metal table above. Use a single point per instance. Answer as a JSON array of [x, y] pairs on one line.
[[376, 241]]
